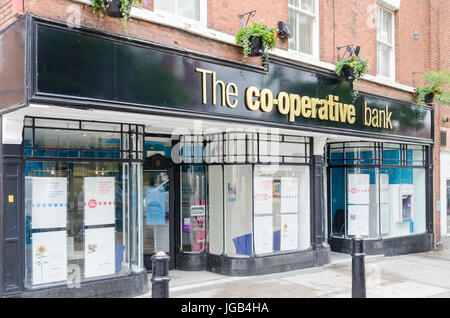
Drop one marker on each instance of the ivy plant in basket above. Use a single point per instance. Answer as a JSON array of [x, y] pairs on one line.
[[437, 82], [352, 69], [114, 8], [256, 39]]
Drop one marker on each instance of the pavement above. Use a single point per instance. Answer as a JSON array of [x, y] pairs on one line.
[[419, 275]]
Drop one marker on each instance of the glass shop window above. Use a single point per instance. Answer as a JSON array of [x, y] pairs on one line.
[[215, 209], [362, 202], [76, 220], [354, 202], [191, 149], [281, 208], [157, 145], [82, 217], [377, 196], [238, 210], [193, 208], [402, 201]]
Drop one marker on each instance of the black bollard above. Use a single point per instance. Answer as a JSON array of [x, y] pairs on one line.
[[160, 275], [358, 269]]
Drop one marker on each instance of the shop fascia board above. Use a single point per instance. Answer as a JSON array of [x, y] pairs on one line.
[[198, 29]]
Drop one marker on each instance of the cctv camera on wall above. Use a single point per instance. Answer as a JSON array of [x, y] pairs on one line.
[[284, 30]]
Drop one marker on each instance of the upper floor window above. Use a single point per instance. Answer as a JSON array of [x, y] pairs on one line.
[[303, 18], [385, 43], [191, 9]]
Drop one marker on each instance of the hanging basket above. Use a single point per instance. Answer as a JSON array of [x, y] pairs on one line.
[[114, 8], [348, 73], [429, 98], [257, 46]]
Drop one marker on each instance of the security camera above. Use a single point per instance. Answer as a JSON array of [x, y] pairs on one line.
[[284, 30]]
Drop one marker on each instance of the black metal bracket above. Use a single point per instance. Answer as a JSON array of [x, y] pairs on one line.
[[250, 14], [348, 49]]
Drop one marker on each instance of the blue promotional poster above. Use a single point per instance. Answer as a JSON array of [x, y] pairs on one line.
[[155, 205]]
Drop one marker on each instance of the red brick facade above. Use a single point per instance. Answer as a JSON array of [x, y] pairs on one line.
[[340, 23]]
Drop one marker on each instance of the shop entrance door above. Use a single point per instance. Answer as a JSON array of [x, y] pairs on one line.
[[158, 209]]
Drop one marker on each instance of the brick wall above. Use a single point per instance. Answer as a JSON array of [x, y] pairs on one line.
[[6, 13]]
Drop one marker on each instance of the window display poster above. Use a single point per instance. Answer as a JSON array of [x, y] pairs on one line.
[[263, 195], [289, 195], [49, 202], [358, 220], [384, 188], [263, 234], [49, 257], [358, 188], [99, 252], [99, 200], [289, 232], [231, 192], [155, 205]]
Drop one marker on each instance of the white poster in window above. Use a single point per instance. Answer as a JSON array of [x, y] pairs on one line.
[[99, 252], [49, 202], [263, 195], [263, 234], [289, 232], [49, 257], [99, 200], [384, 188], [289, 195], [358, 188], [358, 220]]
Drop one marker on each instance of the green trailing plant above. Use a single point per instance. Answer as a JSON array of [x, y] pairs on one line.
[[359, 65], [268, 34], [437, 82], [99, 7]]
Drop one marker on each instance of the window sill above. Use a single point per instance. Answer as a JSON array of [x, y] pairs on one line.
[[181, 23], [388, 82], [303, 58]]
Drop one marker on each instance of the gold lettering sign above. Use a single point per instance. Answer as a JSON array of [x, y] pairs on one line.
[[377, 118], [291, 105]]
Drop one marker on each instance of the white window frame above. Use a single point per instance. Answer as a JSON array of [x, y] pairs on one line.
[[392, 46], [203, 15], [316, 33]]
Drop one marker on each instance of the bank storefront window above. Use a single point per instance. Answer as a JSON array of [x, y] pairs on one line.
[[257, 198], [193, 208], [377, 189], [82, 200], [281, 208]]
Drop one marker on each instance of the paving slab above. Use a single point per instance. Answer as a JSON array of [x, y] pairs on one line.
[[407, 276]]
